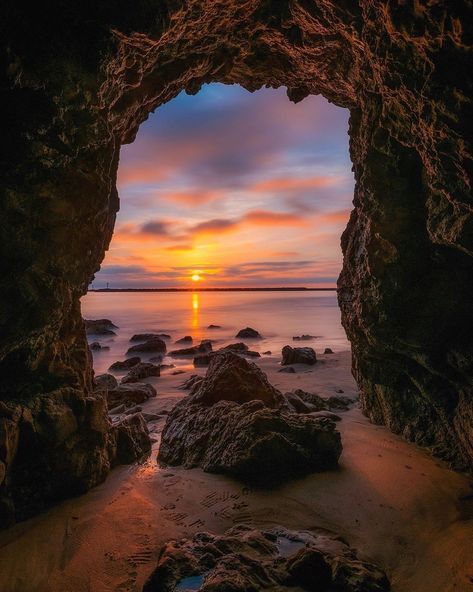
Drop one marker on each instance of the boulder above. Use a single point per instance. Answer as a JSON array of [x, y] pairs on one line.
[[235, 421], [130, 394], [298, 355], [327, 350], [99, 327], [204, 347], [96, 346], [247, 559], [303, 337], [214, 327], [126, 364], [192, 383], [319, 403], [148, 336], [155, 344], [248, 333], [140, 371], [132, 439], [267, 353], [185, 339], [236, 347], [105, 382]]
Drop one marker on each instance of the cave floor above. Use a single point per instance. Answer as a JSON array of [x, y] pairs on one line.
[[389, 499]]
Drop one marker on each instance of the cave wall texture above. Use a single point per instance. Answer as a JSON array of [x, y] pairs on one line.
[[77, 80]]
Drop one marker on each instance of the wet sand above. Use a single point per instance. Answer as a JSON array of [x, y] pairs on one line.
[[392, 501]]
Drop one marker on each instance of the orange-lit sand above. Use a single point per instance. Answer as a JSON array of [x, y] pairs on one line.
[[389, 499]]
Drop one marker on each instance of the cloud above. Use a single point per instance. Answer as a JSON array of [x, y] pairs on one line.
[[156, 227]]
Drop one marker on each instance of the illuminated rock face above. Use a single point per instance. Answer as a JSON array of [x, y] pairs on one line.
[[77, 85]]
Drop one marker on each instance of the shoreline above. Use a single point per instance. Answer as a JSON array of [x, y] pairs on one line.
[[396, 504], [197, 289]]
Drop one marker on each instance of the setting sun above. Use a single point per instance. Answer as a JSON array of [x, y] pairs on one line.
[[195, 277]]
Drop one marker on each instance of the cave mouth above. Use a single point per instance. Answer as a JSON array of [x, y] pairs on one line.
[[405, 290]]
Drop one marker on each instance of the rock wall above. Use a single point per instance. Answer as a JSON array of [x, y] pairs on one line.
[[78, 79]]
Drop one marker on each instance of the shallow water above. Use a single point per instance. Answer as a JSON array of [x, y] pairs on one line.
[[278, 316]]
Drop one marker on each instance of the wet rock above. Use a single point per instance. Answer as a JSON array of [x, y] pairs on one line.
[[155, 344], [204, 347], [157, 359], [126, 364], [192, 382], [235, 420], [140, 371], [176, 372], [232, 378], [105, 381], [246, 559], [203, 360], [327, 414], [298, 355], [267, 353], [96, 346], [214, 327], [185, 339], [99, 327], [320, 403], [248, 333], [130, 394], [304, 337], [132, 439], [236, 347], [296, 404], [149, 336], [327, 350]]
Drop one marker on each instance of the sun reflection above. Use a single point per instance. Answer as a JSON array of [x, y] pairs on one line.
[[195, 310]]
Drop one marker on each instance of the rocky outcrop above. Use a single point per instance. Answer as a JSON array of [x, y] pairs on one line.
[[204, 347], [235, 420], [126, 364], [185, 339], [131, 439], [140, 371], [303, 338], [405, 74], [129, 394], [149, 336], [245, 558], [99, 327], [248, 333], [298, 355], [154, 344]]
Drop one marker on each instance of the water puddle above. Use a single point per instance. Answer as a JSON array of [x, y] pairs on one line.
[[286, 547], [190, 583]]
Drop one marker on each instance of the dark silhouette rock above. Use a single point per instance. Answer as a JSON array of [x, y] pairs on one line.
[[204, 347], [327, 350], [99, 327], [140, 371], [191, 383], [236, 347], [267, 353], [248, 333], [246, 559], [235, 420], [96, 346], [149, 336], [126, 364], [298, 355], [303, 338], [132, 439], [319, 403], [130, 394], [287, 370], [185, 339], [214, 327], [155, 344]]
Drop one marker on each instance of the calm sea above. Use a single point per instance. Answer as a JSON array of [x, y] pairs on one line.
[[278, 316]]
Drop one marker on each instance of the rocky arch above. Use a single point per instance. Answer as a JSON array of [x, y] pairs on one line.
[[77, 81]]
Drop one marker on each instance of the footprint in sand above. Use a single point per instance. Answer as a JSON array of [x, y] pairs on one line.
[[140, 558], [176, 517], [214, 498]]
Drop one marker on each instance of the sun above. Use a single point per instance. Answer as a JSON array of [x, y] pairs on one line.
[[195, 277]]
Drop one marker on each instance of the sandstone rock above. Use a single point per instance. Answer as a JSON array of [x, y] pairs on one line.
[[126, 364], [185, 339], [149, 336], [140, 371], [303, 338], [99, 327], [246, 559], [136, 392], [105, 382], [155, 344], [298, 355], [205, 346], [248, 333]]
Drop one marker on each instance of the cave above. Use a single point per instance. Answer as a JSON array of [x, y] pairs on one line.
[[78, 79]]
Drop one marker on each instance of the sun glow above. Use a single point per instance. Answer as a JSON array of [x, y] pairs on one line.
[[195, 277]]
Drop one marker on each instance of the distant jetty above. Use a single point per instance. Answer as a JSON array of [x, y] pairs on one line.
[[198, 289]]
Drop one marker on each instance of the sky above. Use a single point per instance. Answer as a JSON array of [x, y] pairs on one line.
[[230, 188]]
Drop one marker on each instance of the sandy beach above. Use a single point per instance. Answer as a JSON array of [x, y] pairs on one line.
[[389, 499]]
